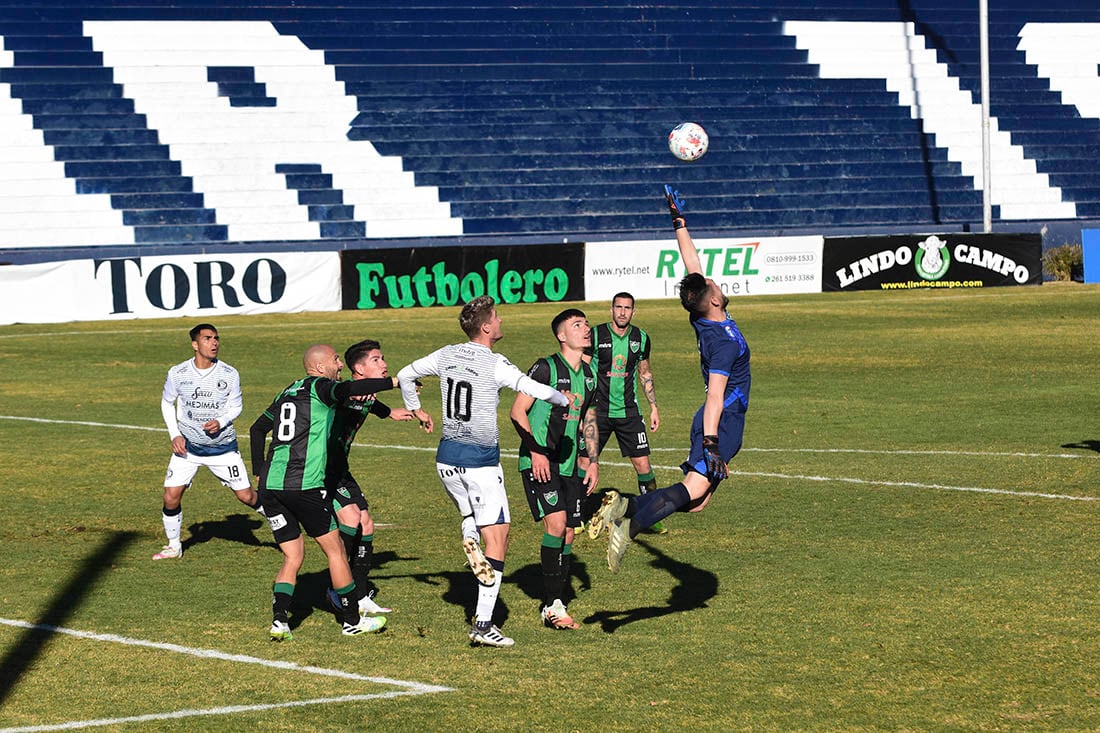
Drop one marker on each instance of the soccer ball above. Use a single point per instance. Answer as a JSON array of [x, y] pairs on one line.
[[688, 141]]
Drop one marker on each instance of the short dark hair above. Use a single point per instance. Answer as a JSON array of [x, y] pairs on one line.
[[476, 314], [194, 332], [693, 292], [564, 316], [623, 294], [358, 350]]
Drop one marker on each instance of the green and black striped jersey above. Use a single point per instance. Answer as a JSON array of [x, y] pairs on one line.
[[557, 429], [300, 422], [615, 359]]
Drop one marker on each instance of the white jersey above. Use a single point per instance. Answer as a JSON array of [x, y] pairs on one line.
[[470, 379], [199, 396]]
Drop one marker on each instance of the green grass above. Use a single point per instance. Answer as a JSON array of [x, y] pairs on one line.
[[849, 576]]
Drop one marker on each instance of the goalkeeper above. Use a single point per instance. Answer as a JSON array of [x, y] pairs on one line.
[[718, 425]]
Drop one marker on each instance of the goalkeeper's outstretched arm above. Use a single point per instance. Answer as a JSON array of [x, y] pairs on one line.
[[688, 254]]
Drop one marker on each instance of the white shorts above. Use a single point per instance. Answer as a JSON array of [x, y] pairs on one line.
[[226, 467], [478, 492]]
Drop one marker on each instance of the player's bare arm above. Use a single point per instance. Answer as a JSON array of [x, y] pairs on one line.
[[645, 376], [540, 463], [688, 254], [592, 446]]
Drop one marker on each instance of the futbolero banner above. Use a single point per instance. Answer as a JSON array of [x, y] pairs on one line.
[[426, 276], [160, 287], [911, 262], [652, 268]]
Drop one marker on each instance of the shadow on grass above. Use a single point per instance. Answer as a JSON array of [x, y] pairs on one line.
[[25, 652], [311, 591], [456, 588], [529, 580], [460, 589], [234, 528], [693, 589], [1092, 445]]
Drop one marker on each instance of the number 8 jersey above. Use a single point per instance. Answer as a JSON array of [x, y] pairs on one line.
[[470, 379]]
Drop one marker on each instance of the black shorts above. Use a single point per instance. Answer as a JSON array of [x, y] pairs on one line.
[[285, 510], [346, 492], [630, 433], [559, 494]]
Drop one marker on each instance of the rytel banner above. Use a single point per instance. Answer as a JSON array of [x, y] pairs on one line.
[[419, 277], [922, 261], [652, 269]]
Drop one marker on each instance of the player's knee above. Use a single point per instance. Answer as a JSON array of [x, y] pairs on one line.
[[172, 496]]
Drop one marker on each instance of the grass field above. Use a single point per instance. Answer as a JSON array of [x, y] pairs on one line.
[[907, 542]]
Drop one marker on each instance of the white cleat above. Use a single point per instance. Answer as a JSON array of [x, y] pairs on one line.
[[368, 607], [617, 542], [280, 631], [490, 636], [366, 625], [612, 508], [169, 552]]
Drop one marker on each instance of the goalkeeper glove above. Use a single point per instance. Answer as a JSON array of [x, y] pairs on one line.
[[675, 207], [716, 467]]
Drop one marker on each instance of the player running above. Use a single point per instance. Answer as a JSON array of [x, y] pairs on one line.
[[471, 376], [718, 426]]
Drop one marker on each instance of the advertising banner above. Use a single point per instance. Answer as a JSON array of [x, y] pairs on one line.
[[918, 261], [652, 268], [160, 287], [419, 277]]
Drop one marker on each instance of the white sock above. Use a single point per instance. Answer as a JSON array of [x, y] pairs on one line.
[[172, 527], [469, 528], [487, 598]]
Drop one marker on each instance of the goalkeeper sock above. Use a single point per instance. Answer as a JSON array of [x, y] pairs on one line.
[[654, 506]]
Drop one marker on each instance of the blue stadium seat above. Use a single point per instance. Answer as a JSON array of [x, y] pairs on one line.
[[550, 119]]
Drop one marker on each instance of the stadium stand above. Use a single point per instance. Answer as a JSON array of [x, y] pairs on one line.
[[324, 122]]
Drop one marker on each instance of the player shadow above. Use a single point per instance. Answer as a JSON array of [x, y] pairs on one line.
[[1092, 445], [693, 589], [457, 588], [234, 528], [24, 653], [529, 580], [311, 590]]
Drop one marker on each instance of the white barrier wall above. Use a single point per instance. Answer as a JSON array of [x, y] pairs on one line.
[[652, 269], [158, 287]]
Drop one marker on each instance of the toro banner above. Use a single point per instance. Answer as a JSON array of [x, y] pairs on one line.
[[160, 287], [427, 276], [916, 261]]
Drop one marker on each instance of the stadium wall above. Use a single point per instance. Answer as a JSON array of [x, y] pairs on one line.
[[191, 140]]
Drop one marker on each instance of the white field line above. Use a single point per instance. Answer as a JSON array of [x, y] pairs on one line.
[[406, 687], [758, 474]]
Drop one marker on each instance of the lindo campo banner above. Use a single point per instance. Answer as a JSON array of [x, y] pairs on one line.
[[427, 276], [931, 261]]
